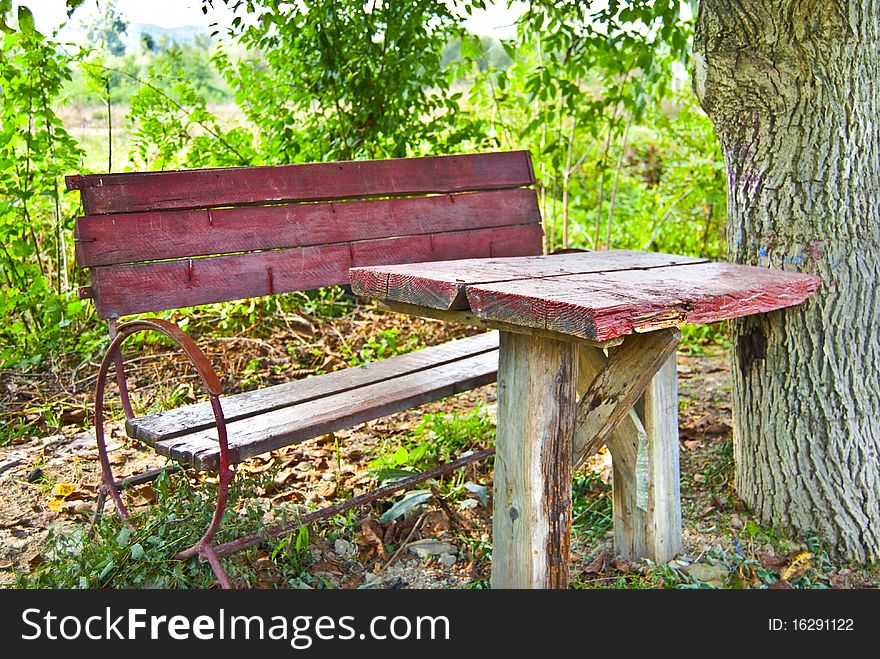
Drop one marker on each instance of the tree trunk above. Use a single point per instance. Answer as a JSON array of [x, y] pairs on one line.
[[793, 90]]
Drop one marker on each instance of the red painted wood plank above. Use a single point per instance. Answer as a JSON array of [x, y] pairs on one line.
[[119, 290], [603, 306], [134, 237], [206, 188], [442, 286]]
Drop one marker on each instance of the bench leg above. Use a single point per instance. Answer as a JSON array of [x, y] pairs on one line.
[[662, 514], [204, 548], [531, 524], [644, 450]]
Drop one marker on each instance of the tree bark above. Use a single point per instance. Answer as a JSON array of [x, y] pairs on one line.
[[793, 90]]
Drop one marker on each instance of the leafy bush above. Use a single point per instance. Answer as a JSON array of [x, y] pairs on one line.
[[36, 151]]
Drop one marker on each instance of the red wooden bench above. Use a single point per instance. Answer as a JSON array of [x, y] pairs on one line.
[[165, 240]]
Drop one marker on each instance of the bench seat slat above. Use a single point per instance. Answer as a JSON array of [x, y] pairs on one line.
[[289, 425], [156, 235], [120, 290], [206, 188], [190, 418]]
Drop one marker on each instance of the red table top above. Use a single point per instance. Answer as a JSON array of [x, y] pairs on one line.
[[591, 295]]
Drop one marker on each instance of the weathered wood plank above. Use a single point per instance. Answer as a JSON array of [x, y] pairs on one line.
[[645, 485], [207, 188], [439, 286], [602, 306], [617, 387], [191, 418], [663, 514], [289, 425], [155, 235], [532, 491], [119, 290], [469, 318]]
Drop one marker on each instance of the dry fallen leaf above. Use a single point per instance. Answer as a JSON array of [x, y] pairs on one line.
[[327, 490], [797, 566], [63, 490], [372, 534], [598, 564]]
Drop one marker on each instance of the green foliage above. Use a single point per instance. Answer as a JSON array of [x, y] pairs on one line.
[[171, 126], [345, 80], [143, 556], [106, 30], [584, 93], [35, 219], [591, 506], [384, 344], [438, 438]]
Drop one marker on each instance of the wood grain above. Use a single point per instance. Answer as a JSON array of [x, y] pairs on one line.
[[444, 286], [663, 514], [469, 318], [646, 501], [615, 389], [289, 425], [163, 426], [120, 290], [209, 188], [532, 487], [155, 235], [602, 306]]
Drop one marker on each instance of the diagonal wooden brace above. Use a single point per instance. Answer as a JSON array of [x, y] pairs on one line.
[[644, 448], [617, 387]]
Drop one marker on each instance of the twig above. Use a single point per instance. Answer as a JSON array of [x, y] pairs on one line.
[[140, 81], [404, 544], [616, 180], [656, 230]]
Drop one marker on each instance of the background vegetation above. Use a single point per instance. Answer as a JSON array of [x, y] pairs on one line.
[[624, 157]]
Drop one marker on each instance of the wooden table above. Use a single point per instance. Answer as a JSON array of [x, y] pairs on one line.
[[587, 358]]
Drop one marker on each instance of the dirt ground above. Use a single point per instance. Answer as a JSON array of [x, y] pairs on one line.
[[49, 480]]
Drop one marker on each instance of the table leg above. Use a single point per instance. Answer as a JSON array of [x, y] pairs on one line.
[[531, 526], [644, 449]]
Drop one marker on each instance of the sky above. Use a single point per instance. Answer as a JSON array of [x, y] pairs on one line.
[[48, 14]]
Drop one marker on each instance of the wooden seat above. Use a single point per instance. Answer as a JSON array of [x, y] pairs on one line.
[[272, 417]]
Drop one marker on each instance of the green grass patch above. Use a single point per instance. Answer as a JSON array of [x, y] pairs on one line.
[[142, 556]]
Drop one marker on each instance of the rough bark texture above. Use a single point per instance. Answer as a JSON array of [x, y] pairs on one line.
[[793, 89]]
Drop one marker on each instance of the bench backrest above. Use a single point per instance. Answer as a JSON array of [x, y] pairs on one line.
[[164, 240]]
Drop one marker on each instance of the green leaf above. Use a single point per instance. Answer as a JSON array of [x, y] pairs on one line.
[[302, 539], [123, 536], [409, 501], [137, 551], [106, 570], [390, 475], [400, 456], [72, 6], [479, 490], [25, 19]]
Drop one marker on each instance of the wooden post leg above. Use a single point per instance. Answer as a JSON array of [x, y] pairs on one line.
[[531, 526], [663, 513], [644, 450]]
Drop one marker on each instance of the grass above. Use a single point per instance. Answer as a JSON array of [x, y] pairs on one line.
[[143, 557], [437, 438]]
